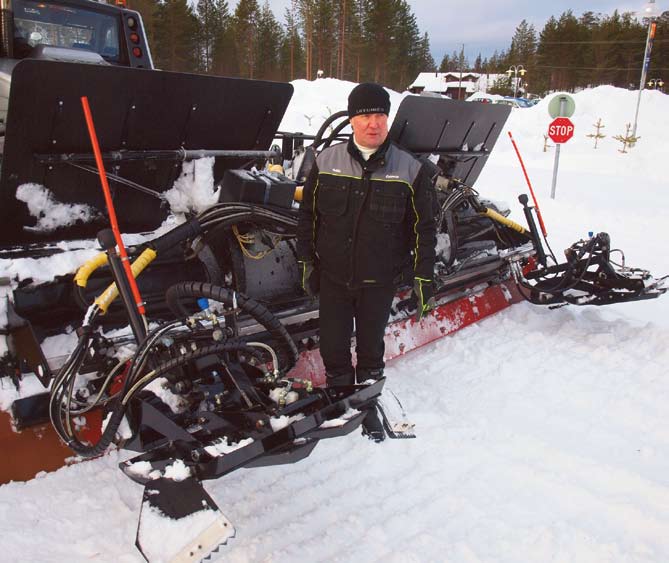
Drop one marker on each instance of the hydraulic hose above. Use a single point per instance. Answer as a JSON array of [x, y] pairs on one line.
[[505, 221], [319, 136], [105, 299], [174, 363], [85, 271], [257, 311]]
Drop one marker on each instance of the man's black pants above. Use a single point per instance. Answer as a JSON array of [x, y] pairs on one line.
[[339, 306]]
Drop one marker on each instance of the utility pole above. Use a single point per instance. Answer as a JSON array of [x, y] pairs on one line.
[[461, 61], [651, 12], [343, 39]]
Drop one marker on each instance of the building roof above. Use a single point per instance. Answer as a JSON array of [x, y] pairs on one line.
[[441, 81]]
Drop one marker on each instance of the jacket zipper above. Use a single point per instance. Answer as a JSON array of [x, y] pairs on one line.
[[366, 181]]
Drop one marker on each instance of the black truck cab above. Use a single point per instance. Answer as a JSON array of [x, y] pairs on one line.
[[80, 30]]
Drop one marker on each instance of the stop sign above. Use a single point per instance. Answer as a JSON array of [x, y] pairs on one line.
[[561, 130]]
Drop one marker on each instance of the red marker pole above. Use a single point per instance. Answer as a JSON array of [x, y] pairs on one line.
[[527, 179], [110, 206]]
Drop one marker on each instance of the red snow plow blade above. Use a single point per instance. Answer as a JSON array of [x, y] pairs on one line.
[[406, 335]]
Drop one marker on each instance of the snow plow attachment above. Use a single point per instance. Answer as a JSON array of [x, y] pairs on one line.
[[180, 523], [147, 121]]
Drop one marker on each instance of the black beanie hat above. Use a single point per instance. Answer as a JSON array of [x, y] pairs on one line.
[[368, 97]]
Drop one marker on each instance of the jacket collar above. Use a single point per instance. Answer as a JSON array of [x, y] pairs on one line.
[[376, 161]]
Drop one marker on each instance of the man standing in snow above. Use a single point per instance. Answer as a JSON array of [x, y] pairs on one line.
[[366, 216]]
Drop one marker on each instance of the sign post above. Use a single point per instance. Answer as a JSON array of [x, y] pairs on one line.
[[561, 129]]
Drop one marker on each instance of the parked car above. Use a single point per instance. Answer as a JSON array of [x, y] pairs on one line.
[[481, 97], [514, 102]]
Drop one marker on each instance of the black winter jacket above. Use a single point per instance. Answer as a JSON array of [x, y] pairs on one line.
[[363, 222]]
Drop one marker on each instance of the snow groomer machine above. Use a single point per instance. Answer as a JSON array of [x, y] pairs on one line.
[[181, 333]]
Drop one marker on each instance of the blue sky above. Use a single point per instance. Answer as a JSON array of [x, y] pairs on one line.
[[484, 26]]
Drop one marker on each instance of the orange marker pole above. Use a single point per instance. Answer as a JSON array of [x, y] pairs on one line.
[[110, 206], [527, 179]]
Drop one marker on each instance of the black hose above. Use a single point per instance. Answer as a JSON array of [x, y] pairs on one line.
[[334, 133], [256, 310], [185, 231], [319, 136], [121, 403], [174, 363]]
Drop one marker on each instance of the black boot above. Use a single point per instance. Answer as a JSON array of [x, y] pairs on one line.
[[338, 379], [372, 426], [364, 374]]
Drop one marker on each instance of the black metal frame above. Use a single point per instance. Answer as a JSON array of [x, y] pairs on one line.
[[202, 116], [462, 133], [287, 445]]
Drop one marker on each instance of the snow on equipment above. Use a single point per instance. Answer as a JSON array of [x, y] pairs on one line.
[[223, 372]]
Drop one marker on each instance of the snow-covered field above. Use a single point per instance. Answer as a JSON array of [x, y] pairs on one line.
[[542, 434]]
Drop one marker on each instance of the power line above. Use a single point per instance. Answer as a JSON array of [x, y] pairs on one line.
[[601, 42], [593, 68]]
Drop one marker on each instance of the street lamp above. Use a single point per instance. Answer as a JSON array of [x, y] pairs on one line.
[[655, 83], [651, 12], [516, 70]]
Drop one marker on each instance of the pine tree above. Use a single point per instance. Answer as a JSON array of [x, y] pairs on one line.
[[325, 37], [445, 63], [478, 64], [269, 40], [523, 45], [497, 63], [560, 54], [408, 49], [589, 24], [292, 52], [425, 60], [342, 17], [225, 56], [176, 37], [353, 69], [523, 52], [547, 58], [463, 63], [212, 18], [379, 21], [245, 32], [307, 13], [660, 54]]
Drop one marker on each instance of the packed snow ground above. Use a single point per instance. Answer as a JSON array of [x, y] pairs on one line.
[[542, 433]]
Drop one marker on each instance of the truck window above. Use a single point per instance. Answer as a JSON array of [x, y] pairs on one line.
[[62, 25]]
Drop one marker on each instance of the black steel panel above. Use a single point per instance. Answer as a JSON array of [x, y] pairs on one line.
[[452, 128], [133, 109]]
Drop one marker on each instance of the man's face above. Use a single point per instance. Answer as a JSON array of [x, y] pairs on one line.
[[370, 130]]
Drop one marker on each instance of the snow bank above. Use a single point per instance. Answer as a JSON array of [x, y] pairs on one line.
[[601, 189], [314, 101]]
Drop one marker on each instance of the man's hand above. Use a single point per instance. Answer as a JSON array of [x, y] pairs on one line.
[[424, 291], [307, 277]]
